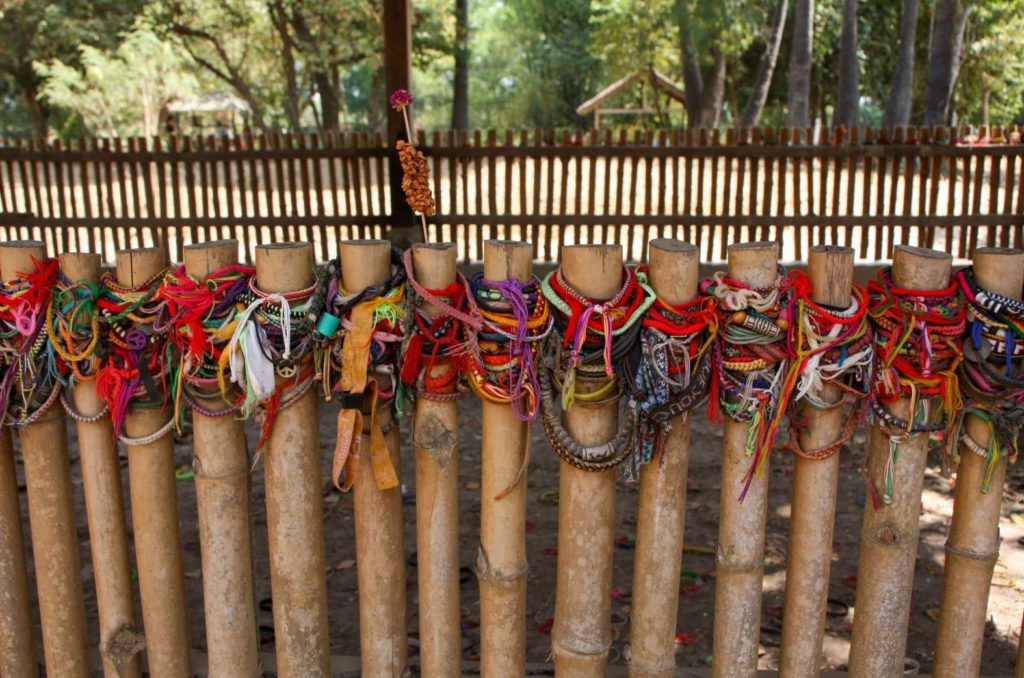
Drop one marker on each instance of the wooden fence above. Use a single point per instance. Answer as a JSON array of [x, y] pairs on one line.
[[865, 188]]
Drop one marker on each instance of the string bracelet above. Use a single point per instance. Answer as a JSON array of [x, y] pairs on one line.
[[751, 358], [991, 376], [137, 360], [30, 385], [831, 346], [439, 345], [595, 343], [674, 373], [918, 348]]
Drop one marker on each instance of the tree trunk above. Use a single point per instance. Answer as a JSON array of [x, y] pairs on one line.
[[940, 62], [693, 81], [958, 55], [897, 110], [799, 93], [847, 110], [279, 17], [329, 95], [714, 91], [29, 85], [460, 98], [762, 84]]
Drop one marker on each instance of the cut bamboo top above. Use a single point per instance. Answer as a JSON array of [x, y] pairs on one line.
[[79, 266], [136, 266], [918, 268], [434, 264], [284, 267], [754, 263], [595, 271], [364, 263], [504, 259], [1000, 270], [830, 270], [674, 266], [202, 259], [16, 257]]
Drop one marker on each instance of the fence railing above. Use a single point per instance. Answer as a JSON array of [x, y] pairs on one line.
[[870, 189]]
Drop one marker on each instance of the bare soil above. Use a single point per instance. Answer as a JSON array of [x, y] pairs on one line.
[[696, 600]]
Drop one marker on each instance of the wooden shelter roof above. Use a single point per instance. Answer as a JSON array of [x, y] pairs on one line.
[[653, 76]]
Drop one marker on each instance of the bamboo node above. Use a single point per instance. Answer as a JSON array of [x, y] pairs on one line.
[[484, 572], [436, 439], [123, 645], [987, 556], [737, 565]]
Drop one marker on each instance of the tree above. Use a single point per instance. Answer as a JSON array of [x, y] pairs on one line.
[[119, 93], [897, 109], [762, 83], [799, 92], [460, 98], [942, 56], [43, 30], [847, 109]]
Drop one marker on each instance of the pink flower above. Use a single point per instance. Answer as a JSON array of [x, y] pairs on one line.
[[400, 99]]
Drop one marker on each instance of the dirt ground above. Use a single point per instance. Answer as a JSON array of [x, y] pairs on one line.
[[696, 601]]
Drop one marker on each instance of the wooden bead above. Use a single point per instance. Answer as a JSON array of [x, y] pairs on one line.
[[738, 317]]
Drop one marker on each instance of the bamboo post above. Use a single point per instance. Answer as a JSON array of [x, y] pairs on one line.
[[380, 542], [435, 441], [740, 560], [1019, 668], [154, 497], [661, 506], [295, 512], [104, 509], [51, 513], [581, 636], [501, 559], [221, 470], [973, 545], [17, 630], [815, 483], [889, 536]]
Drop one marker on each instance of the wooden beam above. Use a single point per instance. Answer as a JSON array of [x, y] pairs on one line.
[[397, 72]]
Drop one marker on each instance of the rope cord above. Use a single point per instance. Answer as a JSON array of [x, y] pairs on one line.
[[831, 347], [991, 376], [751, 359], [30, 384], [596, 343], [674, 372], [918, 347]]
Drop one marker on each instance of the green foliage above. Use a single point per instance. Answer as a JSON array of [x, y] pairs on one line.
[[89, 66], [119, 93]]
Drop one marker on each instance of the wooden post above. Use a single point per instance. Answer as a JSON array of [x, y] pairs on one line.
[[435, 441], [581, 636], [973, 545], [380, 542], [501, 559], [154, 497], [889, 536], [104, 508], [1018, 671], [17, 630], [221, 470], [397, 20], [815, 482], [661, 507], [740, 561], [295, 512], [51, 513]]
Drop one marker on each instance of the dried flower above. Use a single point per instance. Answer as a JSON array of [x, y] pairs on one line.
[[400, 99], [415, 178]]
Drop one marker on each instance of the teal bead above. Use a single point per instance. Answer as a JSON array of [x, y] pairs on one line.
[[328, 325]]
